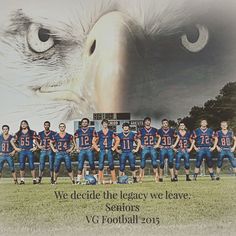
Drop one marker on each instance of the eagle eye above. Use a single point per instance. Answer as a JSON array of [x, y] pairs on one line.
[[196, 39], [39, 39]]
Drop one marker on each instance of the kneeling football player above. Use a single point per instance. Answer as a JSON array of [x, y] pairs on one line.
[[7, 151], [126, 140], [205, 144], [226, 146], [165, 143], [148, 136], [183, 145], [107, 141], [62, 144], [26, 140], [83, 139]]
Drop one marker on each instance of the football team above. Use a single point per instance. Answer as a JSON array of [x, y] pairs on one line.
[[158, 144]]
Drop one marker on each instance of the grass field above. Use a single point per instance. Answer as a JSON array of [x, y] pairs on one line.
[[210, 208]]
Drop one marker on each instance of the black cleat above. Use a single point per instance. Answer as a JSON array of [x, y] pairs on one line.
[[73, 182], [160, 180], [188, 179], [176, 179], [52, 181], [218, 178], [34, 181], [22, 182], [173, 180], [39, 179], [15, 181], [135, 180]]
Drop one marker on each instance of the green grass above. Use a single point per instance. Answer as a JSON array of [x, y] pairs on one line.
[[34, 209]]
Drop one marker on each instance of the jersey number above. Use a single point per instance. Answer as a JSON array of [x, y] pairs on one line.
[[126, 144], [84, 140], [5, 147], [62, 145], [148, 140], [25, 141], [225, 141], [183, 143], [205, 139], [166, 141]]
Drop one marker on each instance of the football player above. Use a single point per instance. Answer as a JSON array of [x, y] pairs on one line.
[[165, 143], [226, 146], [148, 137], [126, 140], [7, 151], [43, 144], [183, 146], [84, 146], [205, 143], [105, 143], [62, 144], [26, 139]]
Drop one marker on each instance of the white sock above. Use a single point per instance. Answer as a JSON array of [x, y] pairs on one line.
[[22, 179], [79, 177], [96, 176]]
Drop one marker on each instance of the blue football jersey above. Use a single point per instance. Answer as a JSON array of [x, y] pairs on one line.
[[44, 139], [127, 141], [85, 137], [184, 140], [105, 140], [5, 144], [225, 140], [26, 141], [167, 136], [148, 137], [63, 143], [204, 138]]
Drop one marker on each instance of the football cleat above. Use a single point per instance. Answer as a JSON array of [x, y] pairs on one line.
[[39, 179], [135, 180], [160, 180], [22, 182], [218, 178], [15, 181], [34, 181]]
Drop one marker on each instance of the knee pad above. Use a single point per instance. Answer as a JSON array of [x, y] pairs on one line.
[[132, 168], [177, 166], [187, 167], [92, 167], [154, 166], [111, 167], [170, 165]]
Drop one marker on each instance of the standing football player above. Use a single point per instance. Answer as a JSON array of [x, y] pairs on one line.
[[226, 146], [44, 138], [62, 144], [107, 141], [204, 146], [183, 145], [7, 151], [165, 143], [26, 139], [148, 137], [126, 140], [83, 141]]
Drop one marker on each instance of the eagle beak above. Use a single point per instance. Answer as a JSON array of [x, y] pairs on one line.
[[113, 46]]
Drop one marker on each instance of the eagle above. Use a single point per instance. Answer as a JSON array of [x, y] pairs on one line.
[[62, 60]]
